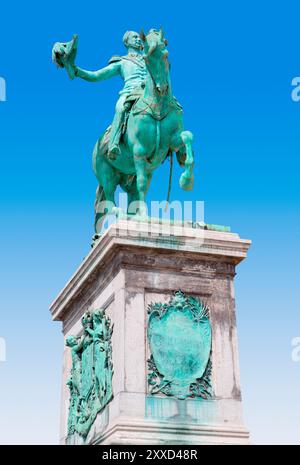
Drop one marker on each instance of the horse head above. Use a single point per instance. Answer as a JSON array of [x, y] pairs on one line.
[[156, 58]]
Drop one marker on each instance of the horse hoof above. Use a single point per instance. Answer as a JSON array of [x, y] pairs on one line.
[[95, 239], [140, 217], [186, 183], [118, 212]]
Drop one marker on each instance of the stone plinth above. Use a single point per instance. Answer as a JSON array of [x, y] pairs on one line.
[[127, 270]]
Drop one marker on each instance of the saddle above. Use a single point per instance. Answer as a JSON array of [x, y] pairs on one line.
[[138, 105], [146, 106]]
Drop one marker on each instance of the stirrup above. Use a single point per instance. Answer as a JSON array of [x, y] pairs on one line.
[[113, 152]]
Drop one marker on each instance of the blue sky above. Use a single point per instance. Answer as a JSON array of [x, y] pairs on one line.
[[232, 67]]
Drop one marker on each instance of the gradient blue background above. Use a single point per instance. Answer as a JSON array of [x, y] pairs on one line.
[[232, 66]]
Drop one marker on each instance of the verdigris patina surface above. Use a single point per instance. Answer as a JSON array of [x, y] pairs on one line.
[[179, 335], [90, 382], [147, 126]]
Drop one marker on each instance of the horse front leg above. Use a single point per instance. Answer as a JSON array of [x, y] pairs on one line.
[[143, 179], [185, 139]]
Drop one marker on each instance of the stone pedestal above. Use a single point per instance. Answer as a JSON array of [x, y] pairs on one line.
[[129, 268]]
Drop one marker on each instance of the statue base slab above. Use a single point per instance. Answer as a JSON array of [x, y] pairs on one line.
[[130, 266]]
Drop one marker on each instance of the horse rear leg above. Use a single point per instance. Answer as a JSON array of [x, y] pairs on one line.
[[105, 204]]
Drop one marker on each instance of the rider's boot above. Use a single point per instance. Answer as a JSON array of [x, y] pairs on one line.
[[115, 135]]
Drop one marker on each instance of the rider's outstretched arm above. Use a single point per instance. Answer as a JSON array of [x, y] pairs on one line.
[[93, 76]]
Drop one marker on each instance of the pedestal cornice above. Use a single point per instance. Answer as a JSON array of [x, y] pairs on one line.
[[129, 244]]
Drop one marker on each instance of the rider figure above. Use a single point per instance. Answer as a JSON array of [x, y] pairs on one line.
[[133, 70]]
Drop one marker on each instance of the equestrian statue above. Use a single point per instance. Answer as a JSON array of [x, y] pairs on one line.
[[147, 126]]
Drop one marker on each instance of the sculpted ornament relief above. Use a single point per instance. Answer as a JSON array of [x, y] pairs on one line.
[[90, 382], [179, 335]]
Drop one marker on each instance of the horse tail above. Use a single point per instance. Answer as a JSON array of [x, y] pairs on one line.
[[170, 181], [99, 212]]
